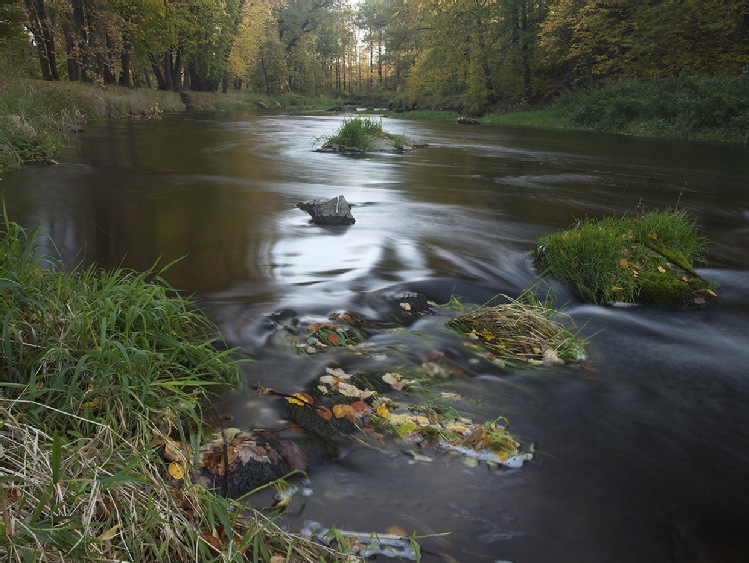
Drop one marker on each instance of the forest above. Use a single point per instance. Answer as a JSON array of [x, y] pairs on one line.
[[472, 56]]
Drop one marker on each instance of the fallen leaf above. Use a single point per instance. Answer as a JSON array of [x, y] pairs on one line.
[[353, 391], [394, 380], [360, 406], [383, 411], [212, 541], [300, 399], [176, 470], [294, 455], [700, 300], [405, 306], [396, 531], [109, 534], [343, 411], [325, 412], [332, 338], [711, 292], [175, 451], [661, 269], [623, 262], [91, 404]]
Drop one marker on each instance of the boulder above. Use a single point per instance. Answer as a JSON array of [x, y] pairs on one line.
[[334, 211], [468, 121]]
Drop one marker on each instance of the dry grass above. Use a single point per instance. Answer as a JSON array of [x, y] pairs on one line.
[[521, 330]]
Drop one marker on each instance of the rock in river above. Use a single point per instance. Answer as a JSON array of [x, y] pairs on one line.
[[334, 211]]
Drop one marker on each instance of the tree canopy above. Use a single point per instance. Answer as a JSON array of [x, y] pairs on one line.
[[469, 55]]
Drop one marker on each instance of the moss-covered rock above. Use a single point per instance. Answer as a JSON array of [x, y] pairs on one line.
[[645, 259]]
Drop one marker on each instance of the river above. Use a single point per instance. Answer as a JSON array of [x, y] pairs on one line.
[[642, 456]]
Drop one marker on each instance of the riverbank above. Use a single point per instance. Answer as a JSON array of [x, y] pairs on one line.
[[38, 116], [692, 107], [102, 380]]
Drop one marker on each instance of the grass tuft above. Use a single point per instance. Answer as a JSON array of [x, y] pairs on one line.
[[645, 258], [521, 330]]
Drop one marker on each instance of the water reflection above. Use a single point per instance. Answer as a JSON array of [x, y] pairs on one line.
[[642, 458]]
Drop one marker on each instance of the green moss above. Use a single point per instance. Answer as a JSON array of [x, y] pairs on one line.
[[632, 259]]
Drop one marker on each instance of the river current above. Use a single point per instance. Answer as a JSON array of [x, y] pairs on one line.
[[641, 456]]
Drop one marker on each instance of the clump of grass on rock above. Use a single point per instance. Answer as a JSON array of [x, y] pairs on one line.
[[522, 330], [645, 258], [362, 134]]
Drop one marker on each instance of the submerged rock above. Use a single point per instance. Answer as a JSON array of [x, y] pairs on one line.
[[336, 211]]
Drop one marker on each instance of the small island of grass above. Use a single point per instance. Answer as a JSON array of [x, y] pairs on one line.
[[364, 134], [642, 259]]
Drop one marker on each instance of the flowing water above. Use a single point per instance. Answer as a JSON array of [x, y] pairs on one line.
[[643, 456]]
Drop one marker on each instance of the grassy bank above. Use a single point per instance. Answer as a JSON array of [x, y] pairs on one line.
[[705, 108], [102, 372], [36, 117]]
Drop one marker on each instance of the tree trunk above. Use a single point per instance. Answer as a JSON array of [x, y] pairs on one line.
[[80, 42], [43, 37], [525, 50], [147, 76], [125, 73], [168, 72]]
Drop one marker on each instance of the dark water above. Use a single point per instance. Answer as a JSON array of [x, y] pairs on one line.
[[642, 457]]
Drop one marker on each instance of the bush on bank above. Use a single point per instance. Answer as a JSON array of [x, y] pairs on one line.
[[696, 107], [98, 371]]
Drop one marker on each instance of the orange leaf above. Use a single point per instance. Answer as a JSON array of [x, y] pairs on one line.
[[396, 531], [325, 412], [333, 338], [360, 406]]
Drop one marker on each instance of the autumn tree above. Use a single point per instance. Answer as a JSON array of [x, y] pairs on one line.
[[588, 42]]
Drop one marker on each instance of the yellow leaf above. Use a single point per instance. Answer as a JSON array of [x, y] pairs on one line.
[[685, 278], [300, 399], [110, 533], [661, 269], [383, 411], [176, 470], [616, 288], [711, 292], [623, 263], [91, 404]]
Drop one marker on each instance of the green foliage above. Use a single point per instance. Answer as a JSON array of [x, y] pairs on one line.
[[631, 259], [712, 107]]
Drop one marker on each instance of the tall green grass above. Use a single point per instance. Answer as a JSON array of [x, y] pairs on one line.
[[354, 133], [98, 370], [612, 259]]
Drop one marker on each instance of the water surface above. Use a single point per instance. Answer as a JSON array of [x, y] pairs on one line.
[[642, 456]]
